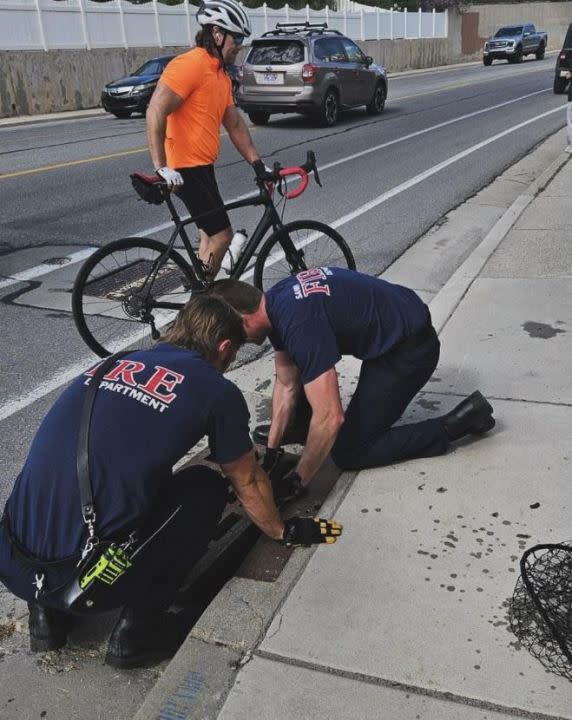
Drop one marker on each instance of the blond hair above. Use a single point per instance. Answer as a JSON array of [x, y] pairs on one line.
[[203, 324]]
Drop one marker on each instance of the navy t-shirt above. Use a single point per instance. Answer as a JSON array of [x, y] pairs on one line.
[[321, 314], [151, 408]]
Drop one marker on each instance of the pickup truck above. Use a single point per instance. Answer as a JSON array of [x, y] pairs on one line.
[[513, 42]]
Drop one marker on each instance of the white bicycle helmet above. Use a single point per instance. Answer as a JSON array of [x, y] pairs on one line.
[[227, 14]]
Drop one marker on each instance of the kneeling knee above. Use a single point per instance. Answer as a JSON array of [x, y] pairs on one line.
[[344, 459]]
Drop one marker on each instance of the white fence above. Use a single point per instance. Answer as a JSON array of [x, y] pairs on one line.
[[47, 25]]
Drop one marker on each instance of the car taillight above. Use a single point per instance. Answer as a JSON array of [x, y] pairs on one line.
[[309, 73]]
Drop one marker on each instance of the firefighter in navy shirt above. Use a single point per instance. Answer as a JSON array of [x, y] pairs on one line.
[[151, 408], [314, 318]]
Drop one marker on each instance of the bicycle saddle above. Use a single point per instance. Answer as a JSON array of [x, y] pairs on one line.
[[150, 188]]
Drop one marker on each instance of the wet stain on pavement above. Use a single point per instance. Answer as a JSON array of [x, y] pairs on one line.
[[541, 330], [429, 404]]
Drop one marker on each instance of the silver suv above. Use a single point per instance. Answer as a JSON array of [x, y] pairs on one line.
[[308, 69]]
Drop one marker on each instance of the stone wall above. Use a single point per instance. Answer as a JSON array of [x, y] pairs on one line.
[[35, 82]]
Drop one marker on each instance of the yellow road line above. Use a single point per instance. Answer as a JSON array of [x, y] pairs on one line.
[[57, 166], [71, 162]]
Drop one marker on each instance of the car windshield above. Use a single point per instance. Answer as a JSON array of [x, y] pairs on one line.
[[153, 67], [276, 53], [568, 41], [509, 31]]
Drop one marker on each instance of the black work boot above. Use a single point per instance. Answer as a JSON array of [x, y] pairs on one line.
[[144, 636], [472, 416], [48, 628]]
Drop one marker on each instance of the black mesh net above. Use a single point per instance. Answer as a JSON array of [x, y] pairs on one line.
[[540, 610]]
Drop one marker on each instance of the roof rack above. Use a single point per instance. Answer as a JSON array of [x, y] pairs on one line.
[[294, 28]]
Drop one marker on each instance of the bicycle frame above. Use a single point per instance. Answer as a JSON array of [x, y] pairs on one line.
[[270, 219]]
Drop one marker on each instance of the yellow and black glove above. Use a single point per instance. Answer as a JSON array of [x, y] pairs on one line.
[[310, 531]]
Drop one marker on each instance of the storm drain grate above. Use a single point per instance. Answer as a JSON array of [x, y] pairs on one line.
[[121, 282]]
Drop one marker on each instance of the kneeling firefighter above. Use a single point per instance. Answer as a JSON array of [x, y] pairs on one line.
[[97, 519]]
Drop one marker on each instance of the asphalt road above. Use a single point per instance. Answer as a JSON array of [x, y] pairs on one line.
[[64, 188]]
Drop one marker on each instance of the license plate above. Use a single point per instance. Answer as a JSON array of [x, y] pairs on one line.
[[563, 73], [271, 78]]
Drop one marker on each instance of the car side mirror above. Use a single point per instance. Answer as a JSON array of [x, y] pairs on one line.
[[368, 60]]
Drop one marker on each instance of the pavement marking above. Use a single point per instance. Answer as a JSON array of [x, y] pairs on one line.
[[454, 86], [70, 163], [70, 373], [44, 268], [408, 184], [83, 161], [431, 128], [165, 225]]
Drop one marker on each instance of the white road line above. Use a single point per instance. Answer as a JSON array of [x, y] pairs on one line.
[[65, 376], [43, 269], [431, 128], [437, 168]]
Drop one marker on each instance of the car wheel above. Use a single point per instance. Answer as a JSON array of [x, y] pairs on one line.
[[540, 53], [487, 61], [377, 103], [259, 117], [330, 109], [518, 56], [121, 114], [560, 85]]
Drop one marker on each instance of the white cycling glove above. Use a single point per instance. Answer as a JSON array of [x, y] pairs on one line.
[[170, 176]]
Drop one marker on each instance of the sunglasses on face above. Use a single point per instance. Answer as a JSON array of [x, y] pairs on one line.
[[238, 38]]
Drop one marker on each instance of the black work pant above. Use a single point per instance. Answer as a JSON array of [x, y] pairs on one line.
[[200, 495], [385, 388]]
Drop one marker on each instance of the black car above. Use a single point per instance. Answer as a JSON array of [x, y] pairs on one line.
[[563, 64], [132, 94]]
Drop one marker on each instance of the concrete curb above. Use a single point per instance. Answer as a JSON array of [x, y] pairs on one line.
[[51, 117], [448, 298], [197, 680]]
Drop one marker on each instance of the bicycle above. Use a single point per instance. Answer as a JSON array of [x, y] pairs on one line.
[[144, 281]]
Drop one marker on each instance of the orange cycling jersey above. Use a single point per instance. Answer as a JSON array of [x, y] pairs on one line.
[[193, 130]]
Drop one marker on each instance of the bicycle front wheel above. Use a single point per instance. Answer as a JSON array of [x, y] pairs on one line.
[[123, 294], [298, 246]]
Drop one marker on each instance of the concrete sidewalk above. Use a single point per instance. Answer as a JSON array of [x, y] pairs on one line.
[[406, 617]]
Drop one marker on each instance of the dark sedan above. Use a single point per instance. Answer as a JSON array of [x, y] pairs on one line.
[[132, 94]]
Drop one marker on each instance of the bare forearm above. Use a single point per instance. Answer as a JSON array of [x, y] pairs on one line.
[[321, 437], [241, 139], [283, 404], [156, 128], [258, 503]]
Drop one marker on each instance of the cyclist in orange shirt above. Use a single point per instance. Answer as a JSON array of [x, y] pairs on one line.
[[191, 101]]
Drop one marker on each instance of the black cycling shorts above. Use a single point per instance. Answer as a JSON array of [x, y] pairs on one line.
[[201, 195]]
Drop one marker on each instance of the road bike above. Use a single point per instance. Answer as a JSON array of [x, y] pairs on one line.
[[131, 288]]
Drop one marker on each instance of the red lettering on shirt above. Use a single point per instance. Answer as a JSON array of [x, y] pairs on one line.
[[91, 373], [167, 378], [310, 282], [125, 369]]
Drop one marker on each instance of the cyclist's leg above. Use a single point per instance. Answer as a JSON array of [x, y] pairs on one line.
[[200, 194]]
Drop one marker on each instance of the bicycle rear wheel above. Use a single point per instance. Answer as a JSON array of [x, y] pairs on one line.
[[114, 294], [298, 246]]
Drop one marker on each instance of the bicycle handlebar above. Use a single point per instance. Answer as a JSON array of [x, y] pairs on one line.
[[278, 173]]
